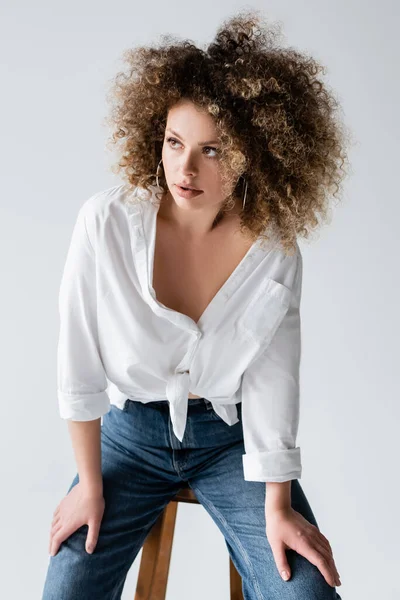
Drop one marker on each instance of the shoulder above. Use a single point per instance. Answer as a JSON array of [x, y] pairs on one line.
[[107, 208], [271, 244], [106, 214], [117, 200], [100, 204], [284, 268], [103, 211]]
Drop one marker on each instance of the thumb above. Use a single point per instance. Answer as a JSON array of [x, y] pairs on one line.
[[281, 562], [92, 536]]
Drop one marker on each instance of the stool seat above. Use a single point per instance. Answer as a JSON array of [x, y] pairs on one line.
[[156, 554]]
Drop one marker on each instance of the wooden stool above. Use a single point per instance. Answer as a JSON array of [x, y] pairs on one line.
[[156, 554]]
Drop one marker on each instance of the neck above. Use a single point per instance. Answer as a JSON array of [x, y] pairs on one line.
[[196, 222]]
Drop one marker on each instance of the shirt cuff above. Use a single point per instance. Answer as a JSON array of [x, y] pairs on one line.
[[83, 407], [277, 465]]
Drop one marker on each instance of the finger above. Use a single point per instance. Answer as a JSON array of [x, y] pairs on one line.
[[55, 521], [278, 550], [92, 536], [53, 531], [319, 561], [323, 540], [60, 535], [329, 558], [56, 542], [56, 528]]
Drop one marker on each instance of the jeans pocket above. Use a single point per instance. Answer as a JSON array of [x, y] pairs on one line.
[[215, 417]]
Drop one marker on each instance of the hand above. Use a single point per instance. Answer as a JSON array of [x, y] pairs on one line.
[[288, 529], [78, 508]]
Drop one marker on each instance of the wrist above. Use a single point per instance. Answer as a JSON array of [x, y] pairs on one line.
[[278, 496], [91, 487]]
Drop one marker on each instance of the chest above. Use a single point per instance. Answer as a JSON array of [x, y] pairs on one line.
[[187, 275]]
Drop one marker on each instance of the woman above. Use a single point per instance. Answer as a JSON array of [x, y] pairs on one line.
[[180, 315]]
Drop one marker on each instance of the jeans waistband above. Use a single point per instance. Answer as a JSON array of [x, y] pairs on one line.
[[191, 402]]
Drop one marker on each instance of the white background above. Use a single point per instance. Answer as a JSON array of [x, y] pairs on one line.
[[56, 62]]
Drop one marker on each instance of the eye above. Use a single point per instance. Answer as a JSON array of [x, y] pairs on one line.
[[173, 141], [211, 148]]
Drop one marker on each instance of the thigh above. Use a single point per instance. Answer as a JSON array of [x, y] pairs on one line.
[[137, 485], [237, 508]]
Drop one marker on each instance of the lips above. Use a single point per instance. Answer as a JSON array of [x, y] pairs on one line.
[[188, 194], [188, 187]]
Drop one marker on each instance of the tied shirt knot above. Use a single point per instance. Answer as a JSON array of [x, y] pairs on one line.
[[177, 391]]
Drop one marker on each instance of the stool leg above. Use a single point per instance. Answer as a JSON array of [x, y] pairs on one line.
[[235, 582], [156, 555]]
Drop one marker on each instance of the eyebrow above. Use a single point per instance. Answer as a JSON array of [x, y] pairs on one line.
[[200, 143]]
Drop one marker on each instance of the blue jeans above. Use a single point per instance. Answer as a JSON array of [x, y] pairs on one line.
[[143, 467]]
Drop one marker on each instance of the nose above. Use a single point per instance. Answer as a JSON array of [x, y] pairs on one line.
[[188, 166]]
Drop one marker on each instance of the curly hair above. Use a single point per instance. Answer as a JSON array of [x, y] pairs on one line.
[[279, 125]]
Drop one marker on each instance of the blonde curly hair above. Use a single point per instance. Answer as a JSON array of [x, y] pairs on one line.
[[278, 123]]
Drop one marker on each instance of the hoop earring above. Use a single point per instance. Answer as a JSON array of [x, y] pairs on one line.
[[245, 192], [158, 167]]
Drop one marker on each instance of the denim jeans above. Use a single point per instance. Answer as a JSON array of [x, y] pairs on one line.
[[143, 467]]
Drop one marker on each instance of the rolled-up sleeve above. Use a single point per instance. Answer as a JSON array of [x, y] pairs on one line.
[[270, 395], [81, 380]]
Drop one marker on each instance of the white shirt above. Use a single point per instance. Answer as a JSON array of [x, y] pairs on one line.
[[117, 341]]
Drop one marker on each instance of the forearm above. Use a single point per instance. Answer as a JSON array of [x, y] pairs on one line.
[[277, 495], [85, 437]]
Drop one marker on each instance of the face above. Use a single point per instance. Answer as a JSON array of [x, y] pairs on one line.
[[190, 156]]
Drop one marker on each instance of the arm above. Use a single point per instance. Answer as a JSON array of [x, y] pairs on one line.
[[85, 438], [81, 379], [270, 415], [270, 399], [277, 496]]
